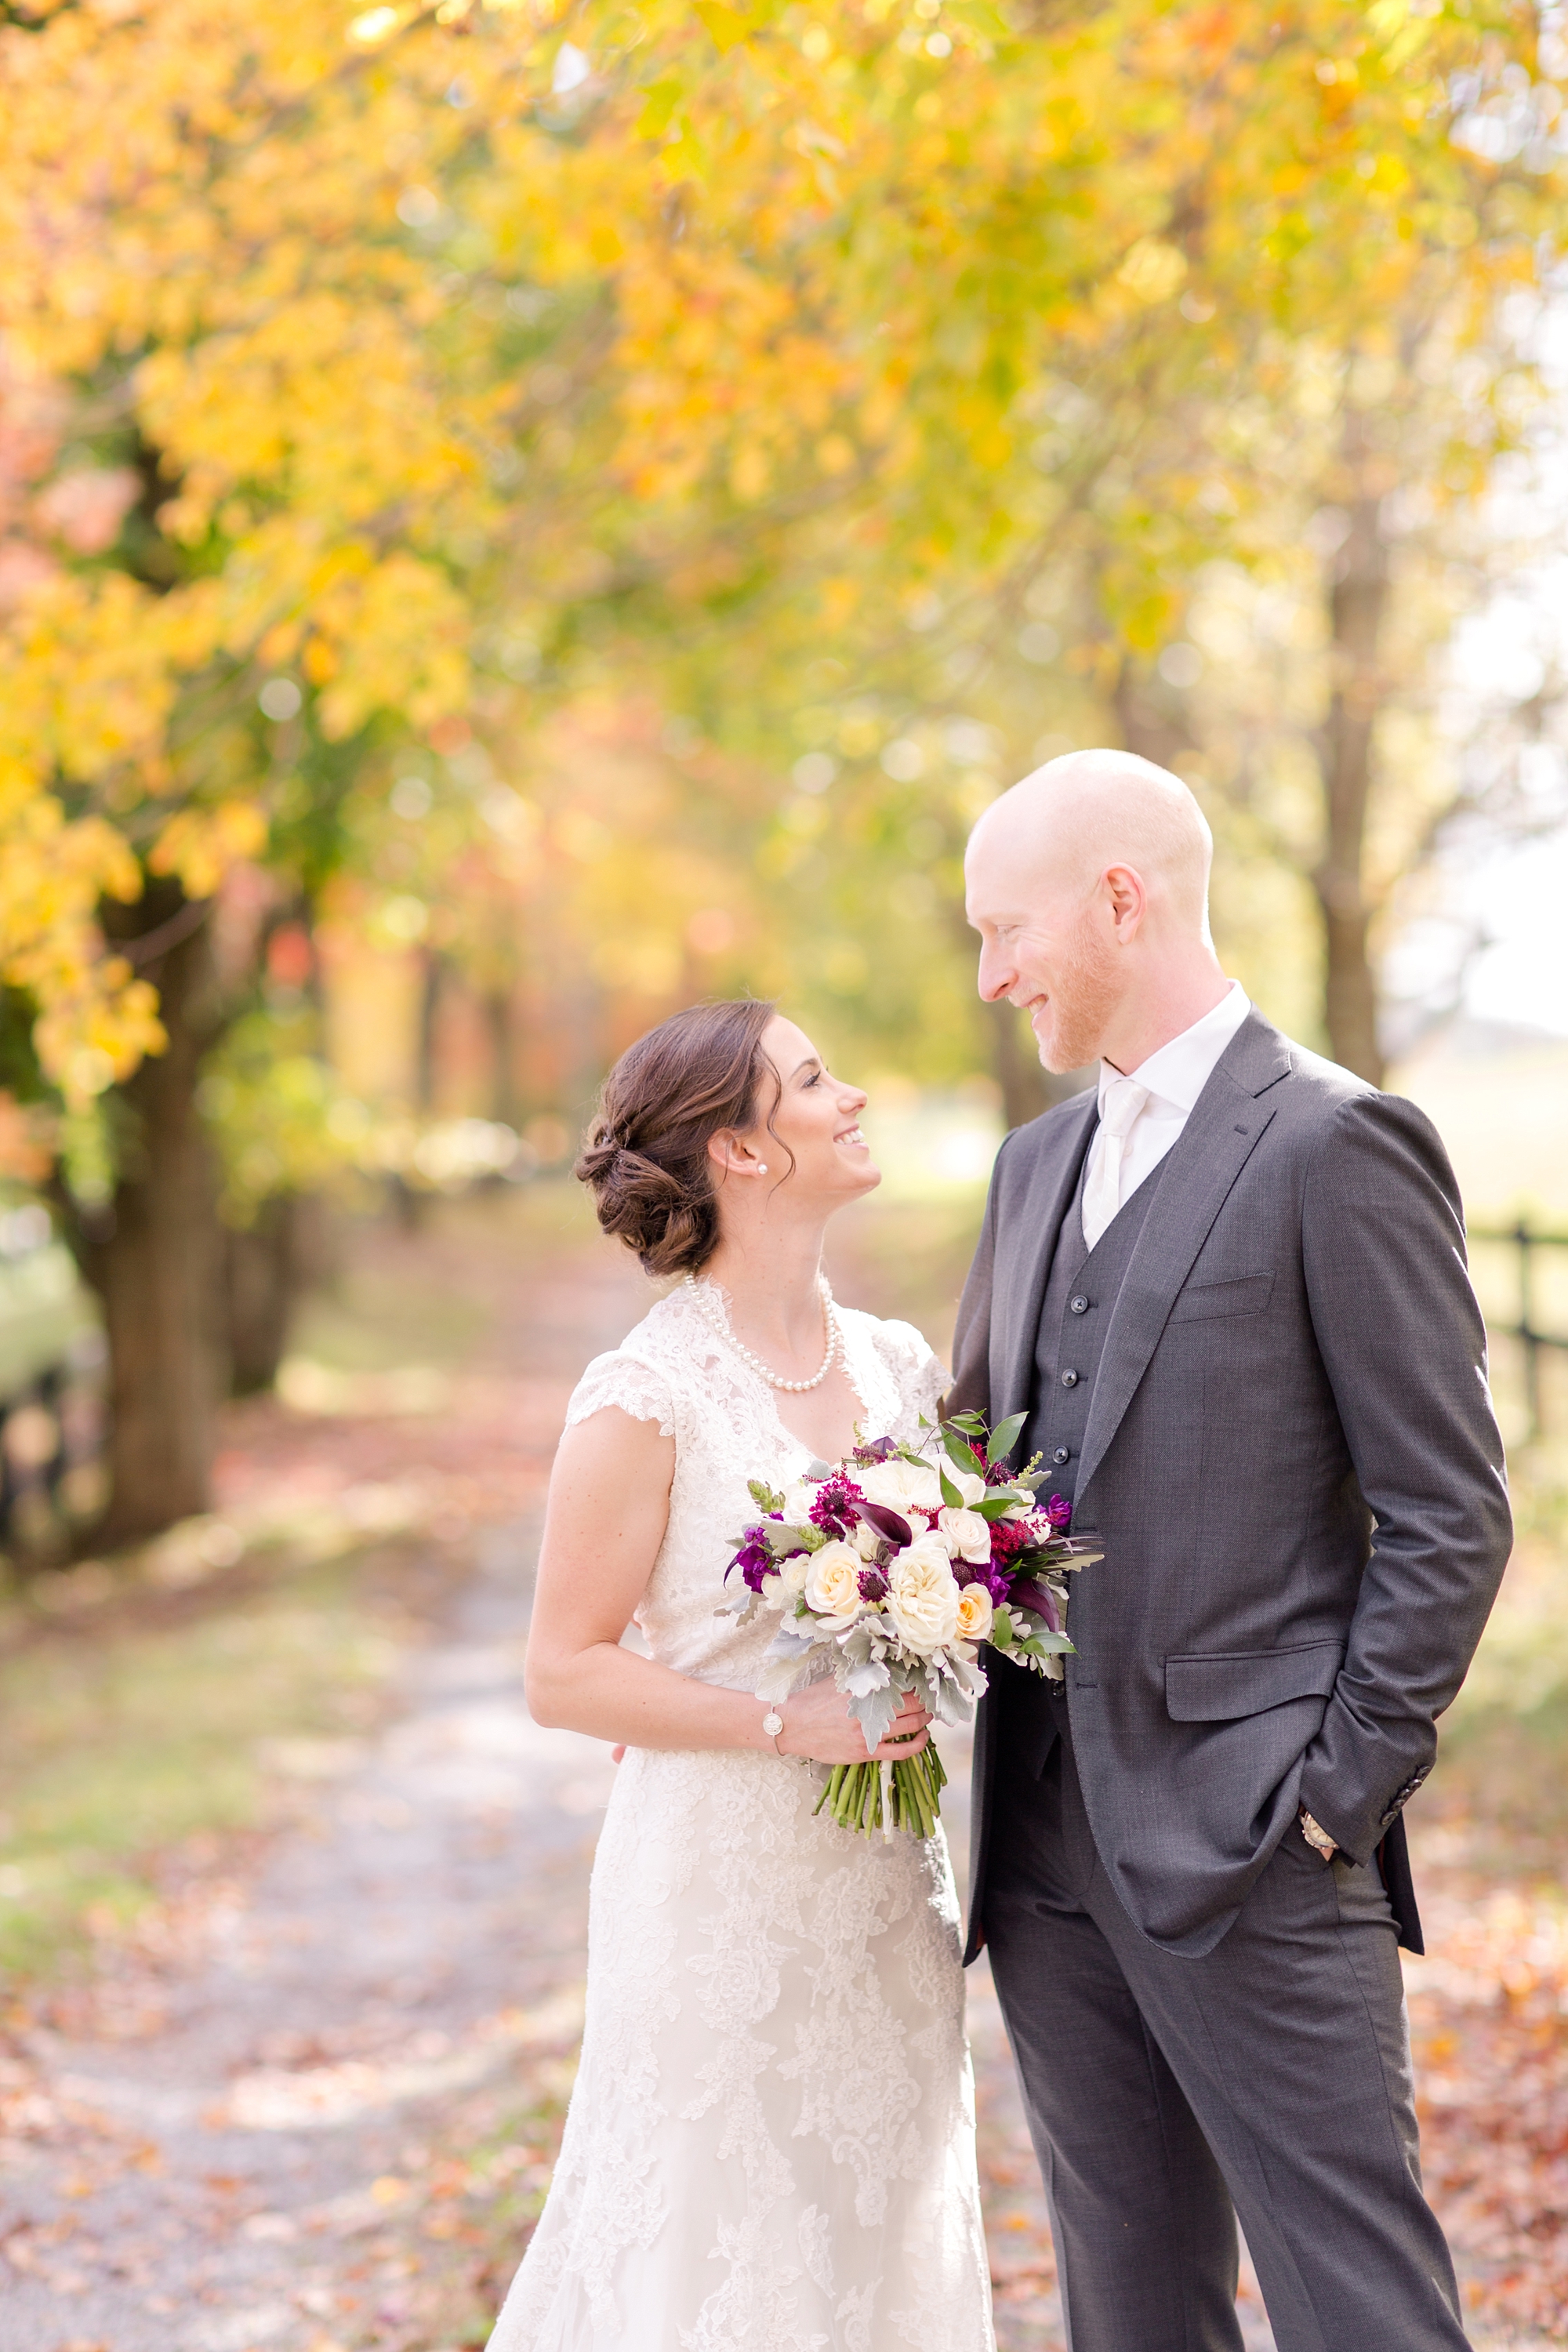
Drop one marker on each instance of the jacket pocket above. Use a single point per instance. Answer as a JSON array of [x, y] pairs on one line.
[[1218, 1689], [1239, 1293]]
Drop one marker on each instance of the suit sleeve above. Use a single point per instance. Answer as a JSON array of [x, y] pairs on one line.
[[1401, 1334], [971, 1389]]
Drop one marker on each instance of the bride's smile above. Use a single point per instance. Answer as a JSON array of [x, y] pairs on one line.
[[805, 1145]]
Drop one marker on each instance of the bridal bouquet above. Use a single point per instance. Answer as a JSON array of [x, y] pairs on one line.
[[892, 1571]]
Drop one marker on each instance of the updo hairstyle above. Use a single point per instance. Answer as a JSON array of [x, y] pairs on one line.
[[646, 1160]]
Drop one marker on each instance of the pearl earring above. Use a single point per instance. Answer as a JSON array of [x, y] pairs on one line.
[[761, 1166]]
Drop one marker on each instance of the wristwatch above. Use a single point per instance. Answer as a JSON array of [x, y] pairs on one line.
[[1317, 1835]]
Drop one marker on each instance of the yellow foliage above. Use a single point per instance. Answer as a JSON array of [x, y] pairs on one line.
[[402, 321]]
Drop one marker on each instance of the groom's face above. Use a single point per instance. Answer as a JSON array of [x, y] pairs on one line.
[[1045, 947]]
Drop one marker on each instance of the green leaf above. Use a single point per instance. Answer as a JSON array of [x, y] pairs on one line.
[[1004, 1437], [963, 1455], [949, 1494], [995, 1506]]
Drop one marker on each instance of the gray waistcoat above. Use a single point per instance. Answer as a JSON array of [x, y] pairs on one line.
[[1080, 1291]]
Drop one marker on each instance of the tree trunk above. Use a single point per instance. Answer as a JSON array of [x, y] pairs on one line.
[[260, 1283], [1150, 715], [497, 1010], [429, 1013], [152, 1255], [1028, 1089], [1358, 598]]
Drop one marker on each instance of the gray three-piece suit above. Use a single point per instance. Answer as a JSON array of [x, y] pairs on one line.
[[1264, 1393]]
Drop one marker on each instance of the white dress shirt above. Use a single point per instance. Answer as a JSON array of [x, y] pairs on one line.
[[1172, 1079]]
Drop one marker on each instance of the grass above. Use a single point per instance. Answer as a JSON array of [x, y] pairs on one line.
[[117, 1748]]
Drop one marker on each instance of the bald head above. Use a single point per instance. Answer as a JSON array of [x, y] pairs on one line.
[[1075, 818], [1088, 884]]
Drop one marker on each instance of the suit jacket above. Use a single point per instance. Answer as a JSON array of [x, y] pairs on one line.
[[1290, 1465]]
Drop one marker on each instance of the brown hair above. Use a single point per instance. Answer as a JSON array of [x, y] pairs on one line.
[[646, 1160]]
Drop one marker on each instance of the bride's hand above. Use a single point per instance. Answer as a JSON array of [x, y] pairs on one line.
[[818, 1723]]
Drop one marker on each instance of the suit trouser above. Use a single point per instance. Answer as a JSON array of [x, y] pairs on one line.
[[1269, 2079]]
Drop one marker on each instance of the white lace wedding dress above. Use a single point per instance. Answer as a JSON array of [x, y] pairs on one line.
[[771, 2143]]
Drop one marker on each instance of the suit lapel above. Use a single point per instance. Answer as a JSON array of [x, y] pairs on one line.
[[1014, 1331], [1213, 1147]]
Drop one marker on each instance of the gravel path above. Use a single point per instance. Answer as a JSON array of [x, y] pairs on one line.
[[418, 1929]]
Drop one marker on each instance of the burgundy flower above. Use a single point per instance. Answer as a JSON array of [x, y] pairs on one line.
[[1008, 1539], [873, 1584], [835, 1506], [1036, 1597], [1058, 1511]]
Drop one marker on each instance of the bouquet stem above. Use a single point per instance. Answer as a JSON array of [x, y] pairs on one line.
[[853, 1797]]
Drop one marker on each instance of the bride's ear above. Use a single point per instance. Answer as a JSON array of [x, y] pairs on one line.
[[732, 1157]]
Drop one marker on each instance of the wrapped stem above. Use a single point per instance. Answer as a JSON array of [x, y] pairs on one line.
[[853, 1796]]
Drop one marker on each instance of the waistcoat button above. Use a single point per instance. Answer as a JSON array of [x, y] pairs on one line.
[[1079, 1305], [1070, 1380], [1062, 1454]]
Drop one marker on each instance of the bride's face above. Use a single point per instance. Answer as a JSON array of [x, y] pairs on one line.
[[817, 1118]]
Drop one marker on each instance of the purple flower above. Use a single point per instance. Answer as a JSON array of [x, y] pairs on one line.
[[834, 1505], [1058, 1511], [877, 1449], [755, 1560], [985, 1572], [873, 1584]]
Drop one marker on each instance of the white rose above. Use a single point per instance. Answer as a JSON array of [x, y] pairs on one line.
[[965, 1533], [772, 1592], [899, 1486], [865, 1540], [794, 1571], [833, 1581], [797, 1502], [974, 1614], [922, 1598]]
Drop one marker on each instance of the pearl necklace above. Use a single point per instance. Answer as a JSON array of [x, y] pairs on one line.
[[710, 1307]]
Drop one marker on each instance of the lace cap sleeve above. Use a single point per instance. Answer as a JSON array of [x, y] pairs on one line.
[[620, 1379], [921, 1376]]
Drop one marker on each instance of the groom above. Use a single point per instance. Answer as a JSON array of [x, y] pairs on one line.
[[1228, 1288]]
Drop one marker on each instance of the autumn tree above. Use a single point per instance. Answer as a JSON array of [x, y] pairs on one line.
[[371, 375]]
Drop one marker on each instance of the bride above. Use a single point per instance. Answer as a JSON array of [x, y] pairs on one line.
[[771, 2143]]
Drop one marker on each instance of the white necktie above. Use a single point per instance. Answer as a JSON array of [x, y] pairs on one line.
[[1124, 1100]]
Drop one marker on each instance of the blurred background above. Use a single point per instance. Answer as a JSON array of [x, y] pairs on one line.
[[515, 518]]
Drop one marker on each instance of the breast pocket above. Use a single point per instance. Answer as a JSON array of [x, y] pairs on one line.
[[1238, 1294]]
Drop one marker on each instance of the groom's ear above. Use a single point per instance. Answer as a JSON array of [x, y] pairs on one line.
[[1124, 887]]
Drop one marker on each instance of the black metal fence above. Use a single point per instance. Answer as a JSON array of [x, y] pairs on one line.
[[1526, 1243]]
